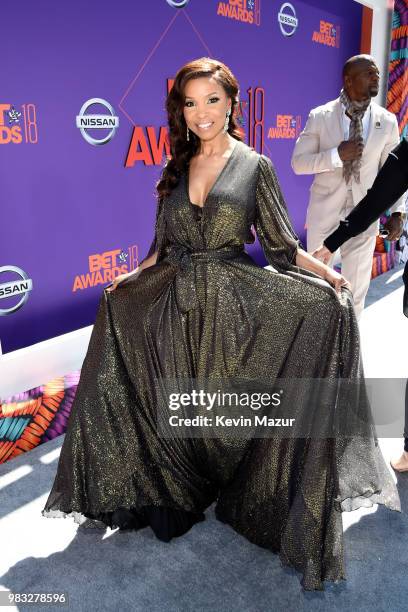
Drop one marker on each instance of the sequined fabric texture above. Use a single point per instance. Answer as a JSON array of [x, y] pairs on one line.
[[206, 309]]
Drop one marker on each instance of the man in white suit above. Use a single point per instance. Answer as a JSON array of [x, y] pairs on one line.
[[344, 143]]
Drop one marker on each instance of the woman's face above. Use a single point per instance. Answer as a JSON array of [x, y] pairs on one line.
[[205, 108]]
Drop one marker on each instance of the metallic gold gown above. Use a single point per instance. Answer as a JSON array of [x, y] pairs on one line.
[[207, 310]]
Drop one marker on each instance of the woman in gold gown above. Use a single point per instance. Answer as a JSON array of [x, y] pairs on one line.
[[199, 307]]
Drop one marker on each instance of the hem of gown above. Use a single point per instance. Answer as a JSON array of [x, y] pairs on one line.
[[349, 504], [309, 580], [166, 522]]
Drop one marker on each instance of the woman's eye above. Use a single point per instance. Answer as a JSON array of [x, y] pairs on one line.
[[189, 103], [214, 99]]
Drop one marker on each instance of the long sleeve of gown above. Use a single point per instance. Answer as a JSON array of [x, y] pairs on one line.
[[272, 224], [159, 239]]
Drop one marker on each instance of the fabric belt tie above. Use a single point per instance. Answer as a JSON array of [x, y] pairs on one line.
[[184, 259]]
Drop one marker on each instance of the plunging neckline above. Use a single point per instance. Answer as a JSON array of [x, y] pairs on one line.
[[187, 182]]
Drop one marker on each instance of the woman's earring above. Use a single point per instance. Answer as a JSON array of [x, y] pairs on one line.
[[188, 134], [226, 124]]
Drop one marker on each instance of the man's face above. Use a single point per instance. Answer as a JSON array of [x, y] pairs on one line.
[[363, 80]]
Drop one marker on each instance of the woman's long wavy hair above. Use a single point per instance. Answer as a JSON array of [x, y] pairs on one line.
[[181, 149]]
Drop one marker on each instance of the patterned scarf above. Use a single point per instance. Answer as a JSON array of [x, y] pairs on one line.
[[356, 111]]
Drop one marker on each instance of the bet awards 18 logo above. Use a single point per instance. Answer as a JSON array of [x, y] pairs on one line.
[[148, 144], [328, 34], [247, 11], [287, 126], [105, 267], [17, 126]]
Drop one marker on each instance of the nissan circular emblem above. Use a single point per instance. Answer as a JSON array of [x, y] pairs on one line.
[[102, 121], [18, 288], [288, 22], [178, 3]]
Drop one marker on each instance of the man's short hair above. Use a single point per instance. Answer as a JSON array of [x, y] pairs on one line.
[[356, 59]]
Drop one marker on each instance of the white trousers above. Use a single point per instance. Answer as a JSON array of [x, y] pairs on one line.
[[356, 260]]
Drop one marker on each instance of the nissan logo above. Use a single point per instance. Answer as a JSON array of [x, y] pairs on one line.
[[178, 3], [19, 288], [97, 122], [288, 22]]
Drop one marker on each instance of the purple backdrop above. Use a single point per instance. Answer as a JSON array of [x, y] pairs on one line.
[[64, 200]]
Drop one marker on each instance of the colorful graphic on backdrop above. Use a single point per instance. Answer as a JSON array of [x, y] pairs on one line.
[[36, 416], [397, 96]]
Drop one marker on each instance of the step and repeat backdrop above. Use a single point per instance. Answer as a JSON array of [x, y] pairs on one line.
[[83, 130]]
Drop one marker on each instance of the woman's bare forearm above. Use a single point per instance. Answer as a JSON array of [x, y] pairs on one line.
[[149, 261], [146, 263], [308, 262]]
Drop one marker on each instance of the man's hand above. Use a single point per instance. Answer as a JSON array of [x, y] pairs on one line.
[[395, 226], [322, 254], [350, 150]]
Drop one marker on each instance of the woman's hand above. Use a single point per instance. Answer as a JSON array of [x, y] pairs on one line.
[[305, 260], [336, 280], [322, 254], [119, 279]]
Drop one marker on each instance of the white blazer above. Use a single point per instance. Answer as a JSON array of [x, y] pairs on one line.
[[312, 155]]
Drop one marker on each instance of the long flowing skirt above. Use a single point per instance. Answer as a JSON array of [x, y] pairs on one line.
[[284, 493]]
